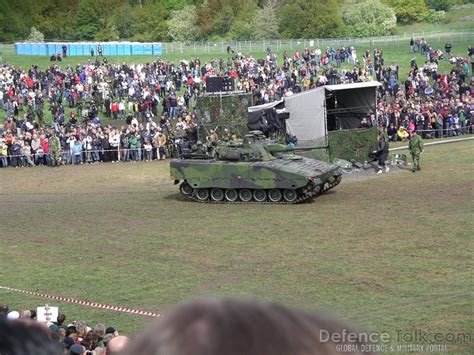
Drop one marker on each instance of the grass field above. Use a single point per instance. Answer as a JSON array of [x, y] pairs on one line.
[[388, 253]]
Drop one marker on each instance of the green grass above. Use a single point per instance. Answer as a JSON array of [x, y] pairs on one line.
[[386, 253]]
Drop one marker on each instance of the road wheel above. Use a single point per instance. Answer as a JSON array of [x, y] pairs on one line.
[[245, 195], [259, 195], [202, 194], [274, 195], [186, 189], [217, 195], [289, 195], [231, 195]]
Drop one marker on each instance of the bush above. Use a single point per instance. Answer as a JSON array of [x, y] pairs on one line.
[[182, 24], [435, 16], [439, 5], [408, 11], [35, 36], [368, 18]]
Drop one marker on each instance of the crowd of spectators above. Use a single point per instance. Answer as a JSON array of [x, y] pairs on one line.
[[69, 337], [198, 327], [153, 105], [434, 104]]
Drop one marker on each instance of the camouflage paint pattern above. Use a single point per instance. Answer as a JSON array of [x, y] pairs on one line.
[[291, 172], [352, 144], [254, 165], [219, 111]]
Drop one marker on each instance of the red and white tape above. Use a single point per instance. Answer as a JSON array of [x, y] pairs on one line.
[[84, 303]]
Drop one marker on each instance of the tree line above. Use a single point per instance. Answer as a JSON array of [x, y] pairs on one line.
[[188, 20]]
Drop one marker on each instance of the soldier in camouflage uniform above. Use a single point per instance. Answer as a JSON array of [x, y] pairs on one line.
[[54, 146], [416, 148]]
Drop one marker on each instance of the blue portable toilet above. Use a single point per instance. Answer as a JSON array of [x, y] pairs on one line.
[[28, 49], [51, 49], [86, 49], [137, 49], [72, 49], [43, 49], [59, 48], [38, 49], [79, 48], [105, 48], [157, 49], [20, 48], [83, 49], [124, 48], [113, 48], [120, 48], [147, 49]]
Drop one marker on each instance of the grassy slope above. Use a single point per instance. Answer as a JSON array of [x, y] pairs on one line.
[[457, 18], [386, 253]]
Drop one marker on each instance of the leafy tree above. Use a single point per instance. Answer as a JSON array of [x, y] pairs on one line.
[[205, 15], [35, 36], [265, 21], [243, 19], [107, 33], [225, 18], [439, 5], [53, 17], [149, 21], [368, 18], [105, 12], [122, 20], [87, 20], [174, 5], [15, 19], [182, 24], [408, 11], [309, 19]]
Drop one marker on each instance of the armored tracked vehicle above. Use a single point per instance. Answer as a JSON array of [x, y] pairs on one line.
[[257, 170]]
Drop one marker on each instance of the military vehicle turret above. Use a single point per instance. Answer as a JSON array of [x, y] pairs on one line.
[[256, 170]]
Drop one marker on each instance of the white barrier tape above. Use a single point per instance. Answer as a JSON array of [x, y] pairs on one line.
[[83, 303]]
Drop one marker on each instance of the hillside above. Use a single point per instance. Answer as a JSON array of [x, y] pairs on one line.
[[190, 20]]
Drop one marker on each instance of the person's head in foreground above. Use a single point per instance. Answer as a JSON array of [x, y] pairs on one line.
[[233, 327], [27, 337]]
